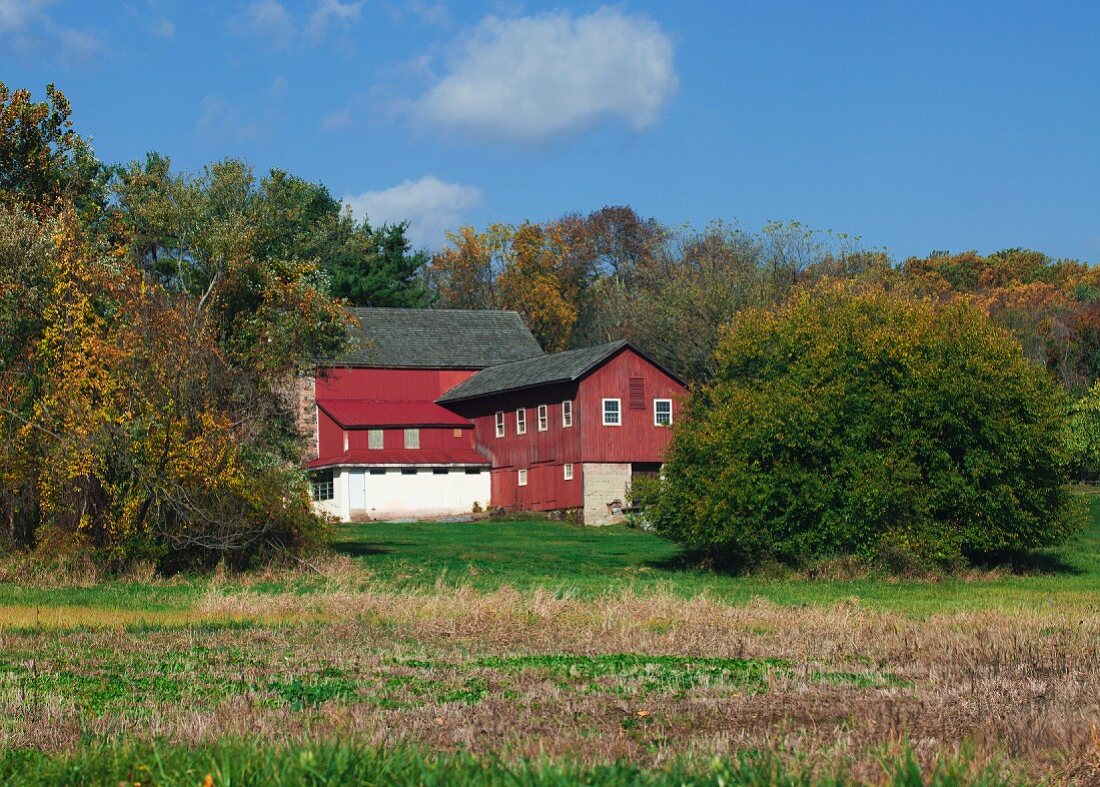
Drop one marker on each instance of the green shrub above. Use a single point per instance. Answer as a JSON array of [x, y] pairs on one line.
[[1083, 435], [866, 423]]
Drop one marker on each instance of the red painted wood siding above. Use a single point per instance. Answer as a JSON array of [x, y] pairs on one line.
[[387, 385], [330, 436], [429, 438], [400, 385], [637, 439], [542, 454], [546, 490]]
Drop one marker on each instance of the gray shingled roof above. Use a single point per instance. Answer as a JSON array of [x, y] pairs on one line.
[[560, 367], [437, 338]]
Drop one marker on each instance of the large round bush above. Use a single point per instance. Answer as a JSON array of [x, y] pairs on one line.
[[868, 423]]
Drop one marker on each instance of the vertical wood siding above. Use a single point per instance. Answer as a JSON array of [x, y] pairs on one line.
[[395, 385], [542, 454], [637, 439]]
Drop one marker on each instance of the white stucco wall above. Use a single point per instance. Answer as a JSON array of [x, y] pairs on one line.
[[394, 495], [604, 483]]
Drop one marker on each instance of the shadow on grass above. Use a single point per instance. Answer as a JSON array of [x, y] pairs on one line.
[[1027, 562], [703, 562], [359, 549], [1018, 563]]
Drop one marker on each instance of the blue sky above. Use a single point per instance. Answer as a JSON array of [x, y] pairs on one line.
[[915, 125]]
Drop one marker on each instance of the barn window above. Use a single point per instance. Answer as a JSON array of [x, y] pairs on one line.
[[637, 393], [320, 485], [662, 412], [412, 438], [456, 432], [377, 471], [408, 471], [567, 471], [612, 412], [500, 423], [522, 478], [374, 439], [544, 418], [521, 421], [345, 441], [473, 471], [440, 471], [567, 413]]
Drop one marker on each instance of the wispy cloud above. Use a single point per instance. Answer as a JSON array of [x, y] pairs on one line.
[[27, 28], [430, 205], [223, 121], [19, 15], [336, 120], [530, 79], [271, 21]]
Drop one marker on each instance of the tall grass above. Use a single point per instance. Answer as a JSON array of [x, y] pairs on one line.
[[241, 764]]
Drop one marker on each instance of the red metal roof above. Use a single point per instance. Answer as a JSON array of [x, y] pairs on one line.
[[352, 413], [458, 456]]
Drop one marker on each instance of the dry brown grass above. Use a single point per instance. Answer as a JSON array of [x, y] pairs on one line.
[[1023, 688]]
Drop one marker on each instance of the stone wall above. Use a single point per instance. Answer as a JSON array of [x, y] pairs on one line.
[[605, 488], [304, 401]]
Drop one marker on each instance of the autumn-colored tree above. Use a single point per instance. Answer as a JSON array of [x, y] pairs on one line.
[[1046, 303], [43, 161], [527, 269], [126, 429], [145, 348]]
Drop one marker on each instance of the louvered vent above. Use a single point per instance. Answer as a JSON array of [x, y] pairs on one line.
[[637, 393]]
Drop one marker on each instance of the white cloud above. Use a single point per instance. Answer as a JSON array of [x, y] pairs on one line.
[[430, 205], [530, 79], [430, 13], [329, 12], [79, 46], [165, 29], [223, 122], [17, 15], [27, 29], [336, 120], [269, 20]]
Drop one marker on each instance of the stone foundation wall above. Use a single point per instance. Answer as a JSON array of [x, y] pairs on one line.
[[605, 488]]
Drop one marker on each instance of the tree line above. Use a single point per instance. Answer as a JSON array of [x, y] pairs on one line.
[[612, 274]]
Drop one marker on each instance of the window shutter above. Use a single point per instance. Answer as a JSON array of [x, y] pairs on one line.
[[637, 393]]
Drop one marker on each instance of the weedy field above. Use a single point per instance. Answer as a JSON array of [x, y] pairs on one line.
[[534, 652]]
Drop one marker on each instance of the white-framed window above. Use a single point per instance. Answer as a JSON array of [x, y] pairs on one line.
[[412, 438], [374, 439], [662, 412], [544, 418], [567, 413], [345, 441], [320, 485], [521, 478], [612, 412], [500, 423], [521, 421], [567, 471]]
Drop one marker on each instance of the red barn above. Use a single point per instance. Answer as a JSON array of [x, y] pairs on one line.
[[572, 429], [432, 411], [383, 447]]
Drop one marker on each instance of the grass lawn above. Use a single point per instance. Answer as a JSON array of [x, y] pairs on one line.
[[535, 652], [588, 561]]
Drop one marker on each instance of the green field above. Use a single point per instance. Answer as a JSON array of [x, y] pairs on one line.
[[588, 562], [537, 652]]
